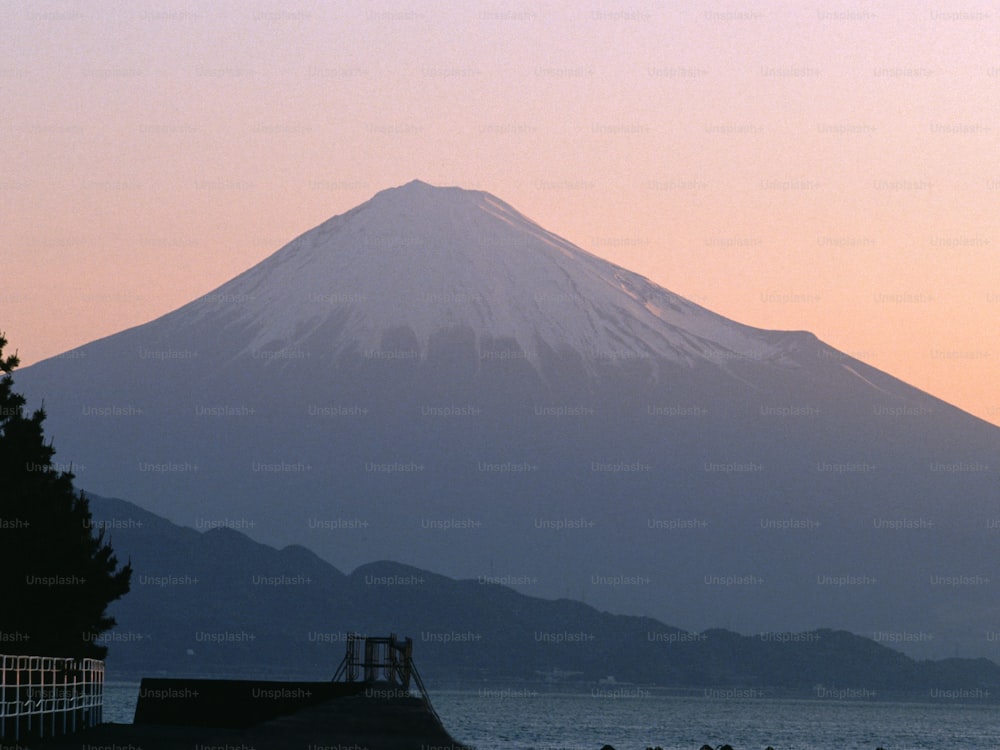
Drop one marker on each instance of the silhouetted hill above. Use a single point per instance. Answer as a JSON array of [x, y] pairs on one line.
[[216, 602]]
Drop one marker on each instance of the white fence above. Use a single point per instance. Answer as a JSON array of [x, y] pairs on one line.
[[44, 696]]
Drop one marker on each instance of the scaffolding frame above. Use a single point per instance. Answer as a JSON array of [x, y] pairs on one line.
[[386, 660]]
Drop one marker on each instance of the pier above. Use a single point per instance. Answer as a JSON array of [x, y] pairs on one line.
[[368, 704]]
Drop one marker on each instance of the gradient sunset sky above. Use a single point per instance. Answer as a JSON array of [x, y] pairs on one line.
[[828, 166]]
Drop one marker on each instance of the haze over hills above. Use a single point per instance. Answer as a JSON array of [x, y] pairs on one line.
[[432, 377], [217, 603]]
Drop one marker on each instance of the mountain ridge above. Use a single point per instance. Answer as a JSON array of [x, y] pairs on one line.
[[463, 629]]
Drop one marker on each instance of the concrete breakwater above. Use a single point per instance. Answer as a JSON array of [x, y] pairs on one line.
[[233, 714]]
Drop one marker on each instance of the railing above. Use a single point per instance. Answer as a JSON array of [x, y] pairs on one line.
[[385, 660], [45, 696]]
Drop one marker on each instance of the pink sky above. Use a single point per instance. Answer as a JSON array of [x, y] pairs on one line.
[[833, 167]]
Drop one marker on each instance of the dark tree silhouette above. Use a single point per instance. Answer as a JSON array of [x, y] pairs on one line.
[[57, 576]]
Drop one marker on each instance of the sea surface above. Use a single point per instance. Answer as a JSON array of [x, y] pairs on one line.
[[528, 719]]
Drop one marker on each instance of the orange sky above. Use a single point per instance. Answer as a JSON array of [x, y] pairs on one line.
[[831, 166]]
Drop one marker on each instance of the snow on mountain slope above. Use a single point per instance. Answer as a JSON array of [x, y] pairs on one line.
[[380, 265]]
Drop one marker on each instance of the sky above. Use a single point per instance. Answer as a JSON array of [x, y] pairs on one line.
[[826, 166]]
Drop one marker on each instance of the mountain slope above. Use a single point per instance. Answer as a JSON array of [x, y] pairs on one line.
[[433, 378], [218, 603], [425, 259]]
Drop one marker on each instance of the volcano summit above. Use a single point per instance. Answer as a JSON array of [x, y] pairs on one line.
[[434, 378], [417, 261]]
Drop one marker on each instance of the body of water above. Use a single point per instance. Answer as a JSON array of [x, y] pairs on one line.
[[527, 719]]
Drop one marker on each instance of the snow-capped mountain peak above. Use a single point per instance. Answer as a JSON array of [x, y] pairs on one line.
[[430, 258], [688, 447]]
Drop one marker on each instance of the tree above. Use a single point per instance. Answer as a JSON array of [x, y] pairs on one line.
[[57, 573]]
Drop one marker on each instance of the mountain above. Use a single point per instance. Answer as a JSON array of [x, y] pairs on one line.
[[432, 377], [218, 603]]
